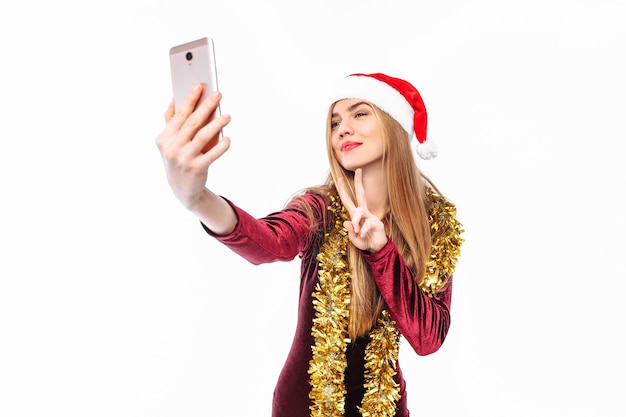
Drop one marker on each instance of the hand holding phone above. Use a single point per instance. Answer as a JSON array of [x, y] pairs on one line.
[[188, 149]]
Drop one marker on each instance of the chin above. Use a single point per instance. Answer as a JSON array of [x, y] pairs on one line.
[[349, 166]]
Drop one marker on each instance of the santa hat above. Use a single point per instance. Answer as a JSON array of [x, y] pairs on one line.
[[396, 97]]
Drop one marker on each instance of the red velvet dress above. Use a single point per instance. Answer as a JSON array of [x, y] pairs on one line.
[[282, 236]]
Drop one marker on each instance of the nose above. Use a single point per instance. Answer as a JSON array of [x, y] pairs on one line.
[[345, 128]]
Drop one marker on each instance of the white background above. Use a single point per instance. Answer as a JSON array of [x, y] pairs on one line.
[[113, 301]]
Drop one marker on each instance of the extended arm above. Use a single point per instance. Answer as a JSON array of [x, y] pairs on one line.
[[280, 236]]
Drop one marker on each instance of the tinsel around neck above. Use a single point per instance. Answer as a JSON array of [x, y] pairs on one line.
[[330, 302]]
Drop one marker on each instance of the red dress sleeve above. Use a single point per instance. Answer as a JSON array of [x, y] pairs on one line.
[[423, 321], [279, 236]]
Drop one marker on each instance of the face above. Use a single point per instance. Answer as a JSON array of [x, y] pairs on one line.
[[356, 135]]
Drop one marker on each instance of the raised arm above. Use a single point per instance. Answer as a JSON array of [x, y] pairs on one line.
[[189, 144]]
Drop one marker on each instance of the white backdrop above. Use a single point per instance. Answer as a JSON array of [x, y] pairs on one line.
[[113, 301]]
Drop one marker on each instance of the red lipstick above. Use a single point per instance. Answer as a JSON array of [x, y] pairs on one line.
[[348, 146]]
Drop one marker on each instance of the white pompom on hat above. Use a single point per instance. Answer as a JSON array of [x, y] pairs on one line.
[[396, 97]]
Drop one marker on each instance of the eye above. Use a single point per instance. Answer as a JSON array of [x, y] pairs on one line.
[[360, 114], [334, 124]]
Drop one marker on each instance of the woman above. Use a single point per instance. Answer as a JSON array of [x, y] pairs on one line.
[[377, 242]]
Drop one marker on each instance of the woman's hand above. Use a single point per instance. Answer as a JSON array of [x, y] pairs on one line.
[[190, 143], [365, 230]]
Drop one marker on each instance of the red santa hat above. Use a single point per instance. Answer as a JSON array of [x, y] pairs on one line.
[[396, 97]]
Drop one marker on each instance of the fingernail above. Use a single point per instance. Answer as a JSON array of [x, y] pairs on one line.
[[214, 95]]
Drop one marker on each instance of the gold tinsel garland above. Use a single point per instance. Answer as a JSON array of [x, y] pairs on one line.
[[381, 355], [330, 302], [445, 233]]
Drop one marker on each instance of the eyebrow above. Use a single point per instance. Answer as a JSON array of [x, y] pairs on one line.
[[354, 106]]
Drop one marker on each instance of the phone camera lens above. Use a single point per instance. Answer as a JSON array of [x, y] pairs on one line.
[[189, 56]]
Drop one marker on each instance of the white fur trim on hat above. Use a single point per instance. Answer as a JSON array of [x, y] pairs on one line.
[[396, 97], [380, 94]]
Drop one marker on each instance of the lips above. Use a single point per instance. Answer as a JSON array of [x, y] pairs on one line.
[[348, 146]]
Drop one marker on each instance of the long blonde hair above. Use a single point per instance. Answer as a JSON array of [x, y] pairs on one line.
[[406, 223]]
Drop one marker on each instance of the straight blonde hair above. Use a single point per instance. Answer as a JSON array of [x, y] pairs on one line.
[[406, 223]]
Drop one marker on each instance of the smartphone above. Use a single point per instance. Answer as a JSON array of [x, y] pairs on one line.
[[192, 63]]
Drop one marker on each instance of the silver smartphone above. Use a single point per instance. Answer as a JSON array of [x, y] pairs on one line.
[[192, 63]]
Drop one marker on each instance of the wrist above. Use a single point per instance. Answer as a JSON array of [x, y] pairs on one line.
[[376, 248], [214, 212], [195, 203]]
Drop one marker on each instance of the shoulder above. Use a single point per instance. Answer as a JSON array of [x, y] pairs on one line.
[[315, 199], [441, 212], [312, 203]]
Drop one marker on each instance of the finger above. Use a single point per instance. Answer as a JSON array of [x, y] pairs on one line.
[[359, 190], [216, 151], [366, 228], [201, 116], [345, 198], [169, 113], [357, 217], [348, 226], [208, 136], [166, 136], [187, 107]]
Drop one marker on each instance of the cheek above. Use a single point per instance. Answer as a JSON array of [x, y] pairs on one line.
[[337, 154], [375, 130], [376, 133]]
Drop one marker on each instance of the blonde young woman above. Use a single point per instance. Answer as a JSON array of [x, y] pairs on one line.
[[377, 242]]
